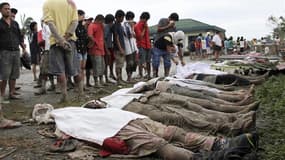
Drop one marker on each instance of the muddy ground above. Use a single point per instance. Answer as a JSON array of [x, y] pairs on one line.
[[32, 146]]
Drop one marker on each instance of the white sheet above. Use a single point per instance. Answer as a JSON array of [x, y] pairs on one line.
[[122, 97], [193, 86], [93, 125], [196, 68]]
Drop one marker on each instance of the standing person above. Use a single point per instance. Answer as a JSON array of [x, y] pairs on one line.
[[88, 66], [166, 48], [192, 49], [143, 44], [62, 57], [10, 39], [14, 11], [81, 42], [130, 44], [242, 44], [208, 44], [165, 25], [97, 51], [198, 45], [226, 48], [238, 45], [109, 47], [34, 48], [119, 44], [230, 45], [217, 45], [43, 41]]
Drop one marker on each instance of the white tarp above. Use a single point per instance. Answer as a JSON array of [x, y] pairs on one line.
[[195, 68], [93, 125]]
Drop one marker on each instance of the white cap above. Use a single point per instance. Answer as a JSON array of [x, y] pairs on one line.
[[178, 37]]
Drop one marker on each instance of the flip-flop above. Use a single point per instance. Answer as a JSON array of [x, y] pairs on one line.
[[8, 124]]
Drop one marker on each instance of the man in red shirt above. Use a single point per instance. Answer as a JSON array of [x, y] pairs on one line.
[[143, 43], [97, 52]]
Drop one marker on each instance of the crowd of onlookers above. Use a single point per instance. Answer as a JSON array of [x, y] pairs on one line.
[[76, 48], [201, 46], [72, 47]]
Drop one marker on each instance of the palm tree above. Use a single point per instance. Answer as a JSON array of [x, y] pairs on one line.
[[25, 22]]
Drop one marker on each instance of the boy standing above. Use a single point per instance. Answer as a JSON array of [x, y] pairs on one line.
[[97, 52], [119, 44], [143, 43]]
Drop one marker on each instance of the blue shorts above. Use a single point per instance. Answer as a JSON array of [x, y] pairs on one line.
[[156, 54], [82, 57]]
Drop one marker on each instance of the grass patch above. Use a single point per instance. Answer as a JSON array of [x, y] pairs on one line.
[[271, 118]]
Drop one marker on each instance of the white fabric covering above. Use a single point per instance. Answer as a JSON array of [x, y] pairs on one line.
[[195, 68], [93, 125], [121, 98], [194, 86]]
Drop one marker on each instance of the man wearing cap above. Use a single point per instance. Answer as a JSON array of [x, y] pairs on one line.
[[63, 58], [14, 11]]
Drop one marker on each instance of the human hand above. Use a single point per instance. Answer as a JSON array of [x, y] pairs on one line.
[[175, 61], [145, 25], [122, 52], [182, 63], [171, 24]]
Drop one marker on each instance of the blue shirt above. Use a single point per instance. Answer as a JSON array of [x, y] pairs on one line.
[[118, 32]]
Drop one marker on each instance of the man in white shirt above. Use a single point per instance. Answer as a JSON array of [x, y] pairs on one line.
[[217, 44]]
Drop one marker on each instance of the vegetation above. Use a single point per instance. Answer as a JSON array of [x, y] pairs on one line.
[[25, 23], [279, 26], [271, 120]]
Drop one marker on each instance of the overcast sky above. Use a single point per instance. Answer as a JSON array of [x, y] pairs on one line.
[[246, 18]]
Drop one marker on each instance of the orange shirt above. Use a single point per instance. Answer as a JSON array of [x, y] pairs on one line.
[[96, 31]]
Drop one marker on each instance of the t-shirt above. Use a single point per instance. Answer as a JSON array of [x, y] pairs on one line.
[[46, 36], [62, 14], [164, 22], [217, 40], [208, 40], [144, 41], [163, 42], [129, 39], [82, 38], [204, 46], [96, 30], [118, 32], [241, 44], [108, 35]]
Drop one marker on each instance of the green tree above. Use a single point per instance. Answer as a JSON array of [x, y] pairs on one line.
[[25, 22], [279, 26]]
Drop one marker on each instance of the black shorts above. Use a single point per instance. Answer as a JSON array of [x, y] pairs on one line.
[[217, 48]]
